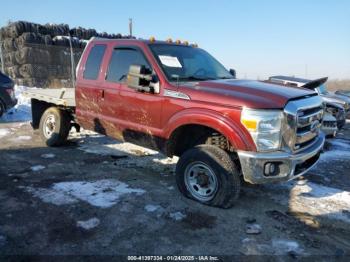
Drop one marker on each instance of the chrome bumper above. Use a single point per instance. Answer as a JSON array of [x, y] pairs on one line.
[[289, 165]]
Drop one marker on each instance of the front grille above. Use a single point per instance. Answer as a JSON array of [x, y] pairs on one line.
[[331, 124], [308, 126], [303, 120]]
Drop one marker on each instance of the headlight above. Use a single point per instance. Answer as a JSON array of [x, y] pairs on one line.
[[264, 126]]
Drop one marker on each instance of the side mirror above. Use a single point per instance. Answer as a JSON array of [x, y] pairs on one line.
[[233, 73], [142, 79]]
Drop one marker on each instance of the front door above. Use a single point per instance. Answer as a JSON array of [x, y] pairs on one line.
[[136, 114]]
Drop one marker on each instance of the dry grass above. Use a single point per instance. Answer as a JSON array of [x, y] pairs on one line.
[[334, 85]]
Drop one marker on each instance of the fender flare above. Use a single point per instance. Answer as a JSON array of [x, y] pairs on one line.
[[239, 138]]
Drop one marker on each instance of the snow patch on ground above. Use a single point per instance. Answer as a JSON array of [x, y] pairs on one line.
[[283, 246], [102, 193], [107, 146], [313, 199], [339, 149], [48, 156], [138, 156], [152, 208], [177, 216], [51, 196], [22, 111], [24, 137], [37, 168], [4, 132], [280, 247], [89, 224]]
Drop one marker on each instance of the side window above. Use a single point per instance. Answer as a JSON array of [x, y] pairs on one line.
[[120, 62], [93, 63]]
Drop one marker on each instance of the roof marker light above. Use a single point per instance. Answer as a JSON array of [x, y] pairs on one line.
[[152, 39], [185, 42], [169, 40], [178, 42]]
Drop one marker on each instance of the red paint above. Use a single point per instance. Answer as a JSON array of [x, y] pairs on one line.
[[216, 104]]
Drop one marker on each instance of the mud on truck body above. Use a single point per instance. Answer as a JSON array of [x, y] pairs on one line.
[[176, 98]]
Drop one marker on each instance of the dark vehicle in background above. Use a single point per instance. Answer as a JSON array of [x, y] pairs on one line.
[[345, 94], [338, 112], [337, 105], [7, 94]]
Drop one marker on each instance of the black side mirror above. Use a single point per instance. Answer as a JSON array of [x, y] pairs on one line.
[[140, 78], [233, 73]]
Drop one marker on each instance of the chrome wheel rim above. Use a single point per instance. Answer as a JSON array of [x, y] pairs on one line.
[[49, 126], [201, 181]]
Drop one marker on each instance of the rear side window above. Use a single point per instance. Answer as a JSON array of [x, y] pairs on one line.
[[93, 63], [120, 63]]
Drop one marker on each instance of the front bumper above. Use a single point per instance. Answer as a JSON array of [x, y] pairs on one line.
[[329, 129], [289, 165]]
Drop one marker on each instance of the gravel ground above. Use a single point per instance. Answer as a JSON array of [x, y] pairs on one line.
[[96, 196]]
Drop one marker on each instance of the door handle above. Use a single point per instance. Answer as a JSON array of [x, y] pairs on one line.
[[102, 94]]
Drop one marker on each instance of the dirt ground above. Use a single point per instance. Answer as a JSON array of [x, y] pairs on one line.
[[96, 196]]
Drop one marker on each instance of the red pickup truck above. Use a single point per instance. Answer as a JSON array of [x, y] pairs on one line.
[[178, 99]]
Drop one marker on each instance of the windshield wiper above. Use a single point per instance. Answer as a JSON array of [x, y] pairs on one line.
[[225, 77], [193, 78]]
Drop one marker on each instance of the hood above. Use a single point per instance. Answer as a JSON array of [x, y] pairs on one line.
[[249, 93], [334, 98]]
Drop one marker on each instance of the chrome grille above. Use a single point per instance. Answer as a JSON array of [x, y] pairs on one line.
[[308, 126], [303, 122]]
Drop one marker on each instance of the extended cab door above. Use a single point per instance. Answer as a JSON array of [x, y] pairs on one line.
[[89, 92], [136, 114]]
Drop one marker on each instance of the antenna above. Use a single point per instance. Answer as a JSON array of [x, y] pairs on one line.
[[130, 27]]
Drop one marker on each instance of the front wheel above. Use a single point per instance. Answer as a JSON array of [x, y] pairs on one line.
[[208, 175], [54, 126]]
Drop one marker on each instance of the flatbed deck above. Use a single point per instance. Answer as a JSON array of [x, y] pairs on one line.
[[57, 96]]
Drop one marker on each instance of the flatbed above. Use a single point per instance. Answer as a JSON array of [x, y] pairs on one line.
[[57, 96]]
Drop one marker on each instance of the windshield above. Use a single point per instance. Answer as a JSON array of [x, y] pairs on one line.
[[186, 63], [322, 89]]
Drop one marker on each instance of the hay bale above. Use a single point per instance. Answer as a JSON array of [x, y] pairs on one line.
[[30, 38], [9, 44], [10, 58], [32, 82], [14, 30], [64, 41], [12, 71], [33, 71], [56, 30], [28, 55]]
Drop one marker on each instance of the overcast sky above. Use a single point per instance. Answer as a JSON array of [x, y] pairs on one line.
[[257, 38]]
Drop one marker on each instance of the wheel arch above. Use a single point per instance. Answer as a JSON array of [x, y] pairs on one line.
[[39, 107], [180, 124]]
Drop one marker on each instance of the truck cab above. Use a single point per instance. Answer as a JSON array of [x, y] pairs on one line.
[[178, 99]]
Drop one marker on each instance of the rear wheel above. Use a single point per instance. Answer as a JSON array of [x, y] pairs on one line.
[[54, 126], [208, 175]]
